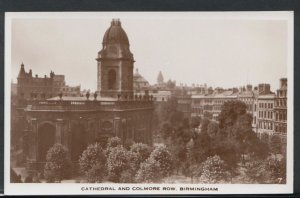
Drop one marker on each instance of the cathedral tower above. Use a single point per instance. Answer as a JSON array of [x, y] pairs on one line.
[[115, 63]]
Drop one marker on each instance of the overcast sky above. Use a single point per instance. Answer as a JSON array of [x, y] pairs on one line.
[[188, 48]]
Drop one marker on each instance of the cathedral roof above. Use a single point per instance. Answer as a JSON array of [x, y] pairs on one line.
[[115, 33]]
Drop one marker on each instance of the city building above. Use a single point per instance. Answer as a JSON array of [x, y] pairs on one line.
[[77, 122], [280, 108], [265, 112], [29, 87]]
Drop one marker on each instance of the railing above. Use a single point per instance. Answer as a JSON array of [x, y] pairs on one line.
[[85, 104]]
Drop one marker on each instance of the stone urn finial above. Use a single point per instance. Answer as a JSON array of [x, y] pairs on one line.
[[60, 95], [95, 95], [87, 95]]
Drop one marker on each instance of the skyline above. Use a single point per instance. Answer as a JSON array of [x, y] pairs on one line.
[[246, 48]]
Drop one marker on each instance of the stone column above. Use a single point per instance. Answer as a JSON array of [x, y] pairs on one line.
[[32, 144], [117, 127], [59, 131]]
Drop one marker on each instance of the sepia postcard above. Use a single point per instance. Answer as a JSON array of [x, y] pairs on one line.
[[148, 103]]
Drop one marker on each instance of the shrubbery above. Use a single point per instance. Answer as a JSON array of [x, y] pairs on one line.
[[58, 164], [93, 163]]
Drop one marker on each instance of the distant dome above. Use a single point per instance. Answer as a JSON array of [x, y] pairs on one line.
[[115, 34]]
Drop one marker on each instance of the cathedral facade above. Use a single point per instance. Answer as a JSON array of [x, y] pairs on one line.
[[76, 122]]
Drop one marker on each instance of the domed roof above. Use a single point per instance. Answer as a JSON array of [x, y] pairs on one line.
[[115, 34], [115, 43]]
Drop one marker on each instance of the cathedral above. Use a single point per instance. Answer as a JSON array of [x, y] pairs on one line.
[[76, 122]]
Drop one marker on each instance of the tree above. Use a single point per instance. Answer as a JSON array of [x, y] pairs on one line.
[[157, 166], [202, 147], [92, 163], [162, 155], [114, 142], [230, 112], [213, 170], [118, 161], [58, 164], [204, 125], [166, 130], [149, 172], [275, 144], [257, 171], [142, 151], [278, 170], [96, 173], [212, 128], [195, 122]]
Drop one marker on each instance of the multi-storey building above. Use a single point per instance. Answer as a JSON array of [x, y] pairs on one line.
[[265, 111], [29, 87], [184, 104], [280, 108]]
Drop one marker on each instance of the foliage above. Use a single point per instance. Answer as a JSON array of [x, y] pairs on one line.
[[157, 166], [257, 171], [230, 112], [91, 156], [213, 170], [212, 129], [92, 163], [114, 142], [266, 171], [118, 161], [127, 176], [162, 155], [278, 170], [58, 164], [166, 130], [96, 173], [204, 125], [195, 122], [142, 151], [202, 147], [149, 172], [275, 144]]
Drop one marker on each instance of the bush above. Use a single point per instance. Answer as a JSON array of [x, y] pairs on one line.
[[157, 166], [96, 173], [118, 161], [213, 170], [149, 172], [58, 164], [114, 142], [92, 163], [142, 150], [162, 155]]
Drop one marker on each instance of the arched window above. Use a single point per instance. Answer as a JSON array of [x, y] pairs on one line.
[[112, 79]]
